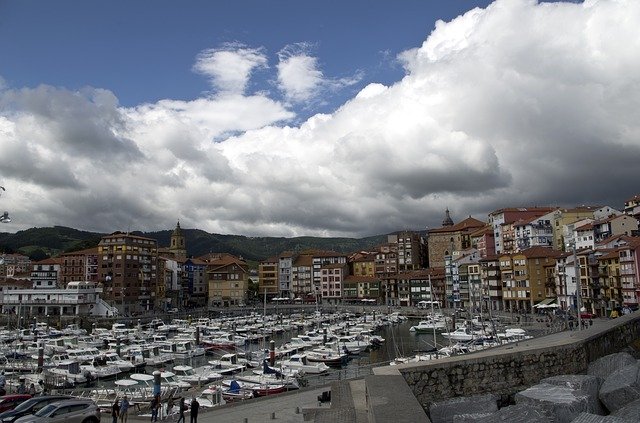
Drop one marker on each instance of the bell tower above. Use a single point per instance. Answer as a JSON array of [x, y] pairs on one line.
[[178, 247]]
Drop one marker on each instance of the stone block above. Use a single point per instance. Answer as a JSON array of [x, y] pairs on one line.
[[444, 411], [562, 403], [470, 418], [630, 411], [594, 418], [589, 384], [519, 413], [621, 387], [608, 364]]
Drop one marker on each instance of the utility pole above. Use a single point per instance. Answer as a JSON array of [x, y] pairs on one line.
[[578, 285]]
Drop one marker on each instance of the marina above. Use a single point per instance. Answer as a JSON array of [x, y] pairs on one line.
[[230, 359]]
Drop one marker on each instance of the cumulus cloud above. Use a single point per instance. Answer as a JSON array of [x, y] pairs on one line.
[[516, 104], [229, 67], [300, 77]]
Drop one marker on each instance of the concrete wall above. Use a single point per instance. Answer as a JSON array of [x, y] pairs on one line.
[[511, 368]]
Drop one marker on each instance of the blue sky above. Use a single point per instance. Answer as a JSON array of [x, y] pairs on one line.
[[144, 51], [332, 118]]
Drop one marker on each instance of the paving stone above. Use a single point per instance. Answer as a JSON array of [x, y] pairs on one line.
[[594, 418], [621, 387], [608, 364], [561, 402], [444, 411]]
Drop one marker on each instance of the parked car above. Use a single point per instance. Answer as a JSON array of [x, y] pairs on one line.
[[9, 402], [78, 410], [30, 406]]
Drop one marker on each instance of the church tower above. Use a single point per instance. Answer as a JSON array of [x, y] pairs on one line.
[[178, 248], [447, 219]]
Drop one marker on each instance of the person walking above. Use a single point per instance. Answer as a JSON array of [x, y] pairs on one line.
[[115, 411], [182, 407], [124, 409], [170, 407], [155, 406], [195, 406]]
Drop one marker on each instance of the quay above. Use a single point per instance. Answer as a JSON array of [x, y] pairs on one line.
[[402, 393]]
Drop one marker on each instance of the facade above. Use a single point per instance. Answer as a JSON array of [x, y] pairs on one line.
[[507, 216], [127, 267], [194, 282], [285, 263], [491, 282], [14, 265], [332, 276], [302, 276], [410, 248], [46, 274], [525, 276], [78, 298], [358, 288], [268, 277], [79, 266], [614, 225], [228, 278], [632, 207], [533, 232], [444, 241]]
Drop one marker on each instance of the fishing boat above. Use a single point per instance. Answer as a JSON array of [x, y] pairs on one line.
[[234, 392], [300, 362]]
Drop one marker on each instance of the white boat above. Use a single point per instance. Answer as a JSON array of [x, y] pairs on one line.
[[189, 375], [460, 334], [301, 363], [429, 325], [228, 364]]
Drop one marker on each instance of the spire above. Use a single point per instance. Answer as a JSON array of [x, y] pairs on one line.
[[447, 219]]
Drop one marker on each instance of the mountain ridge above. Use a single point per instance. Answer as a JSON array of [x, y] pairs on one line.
[[39, 243]]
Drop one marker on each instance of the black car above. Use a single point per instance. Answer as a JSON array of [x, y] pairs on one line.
[[30, 406]]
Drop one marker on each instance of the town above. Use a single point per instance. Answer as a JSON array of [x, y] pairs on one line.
[[521, 259]]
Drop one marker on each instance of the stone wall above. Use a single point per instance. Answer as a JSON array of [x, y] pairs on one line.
[[511, 368]]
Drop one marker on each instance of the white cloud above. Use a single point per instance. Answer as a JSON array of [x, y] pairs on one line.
[[230, 66], [300, 78], [517, 104]]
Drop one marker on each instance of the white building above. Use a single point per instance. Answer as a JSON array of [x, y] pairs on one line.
[[78, 298]]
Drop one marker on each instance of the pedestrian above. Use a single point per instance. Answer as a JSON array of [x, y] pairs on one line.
[[124, 409], [182, 407], [590, 322], [115, 411], [170, 406], [195, 405], [32, 390], [155, 406]]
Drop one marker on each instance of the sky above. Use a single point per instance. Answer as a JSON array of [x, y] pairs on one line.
[[315, 118]]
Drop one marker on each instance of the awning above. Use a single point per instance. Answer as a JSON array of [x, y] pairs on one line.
[[544, 303]]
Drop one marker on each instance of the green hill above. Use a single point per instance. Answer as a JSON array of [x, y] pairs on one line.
[[41, 242]]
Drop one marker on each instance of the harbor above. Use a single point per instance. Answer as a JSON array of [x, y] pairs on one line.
[[236, 358]]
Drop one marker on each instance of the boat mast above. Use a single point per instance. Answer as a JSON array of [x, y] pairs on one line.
[[433, 314]]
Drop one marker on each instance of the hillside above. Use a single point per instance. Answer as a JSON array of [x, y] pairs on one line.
[[41, 242]]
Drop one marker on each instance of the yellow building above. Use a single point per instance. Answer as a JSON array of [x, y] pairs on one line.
[[228, 279]]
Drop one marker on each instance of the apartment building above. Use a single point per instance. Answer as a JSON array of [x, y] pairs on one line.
[[127, 267], [46, 273], [501, 222], [302, 285], [268, 277], [79, 266], [491, 282], [332, 276], [228, 278]]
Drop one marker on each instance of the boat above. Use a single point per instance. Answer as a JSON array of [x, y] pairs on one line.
[[460, 334], [227, 364], [429, 325], [300, 362], [189, 375], [327, 355], [234, 392]]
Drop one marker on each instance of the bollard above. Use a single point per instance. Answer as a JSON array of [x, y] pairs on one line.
[[197, 335], [324, 336], [40, 357], [246, 420], [272, 353], [273, 415], [297, 410]]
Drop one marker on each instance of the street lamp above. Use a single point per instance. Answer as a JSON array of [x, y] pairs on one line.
[[4, 218]]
